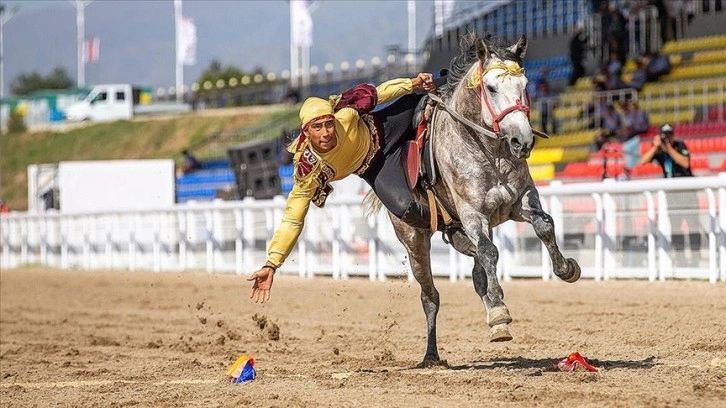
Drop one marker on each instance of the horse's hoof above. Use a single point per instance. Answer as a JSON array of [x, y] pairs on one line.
[[430, 363], [573, 271], [499, 332], [498, 315]]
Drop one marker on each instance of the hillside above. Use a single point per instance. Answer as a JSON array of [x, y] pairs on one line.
[[147, 138]]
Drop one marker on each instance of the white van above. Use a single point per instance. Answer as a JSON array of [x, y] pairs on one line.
[[119, 101]]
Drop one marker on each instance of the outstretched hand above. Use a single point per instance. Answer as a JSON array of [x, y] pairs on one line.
[[263, 283]]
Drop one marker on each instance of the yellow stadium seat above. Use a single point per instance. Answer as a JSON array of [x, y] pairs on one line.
[[541, 172], [694, 44], [584, 137], [558, 155]]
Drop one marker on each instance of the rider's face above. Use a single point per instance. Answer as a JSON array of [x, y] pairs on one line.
[[322, 134]]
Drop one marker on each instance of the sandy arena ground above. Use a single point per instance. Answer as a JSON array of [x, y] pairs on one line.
[[70, 338]]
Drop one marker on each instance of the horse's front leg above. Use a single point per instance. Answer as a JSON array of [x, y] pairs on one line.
[[418, 245], [486, 282], [531, 211]]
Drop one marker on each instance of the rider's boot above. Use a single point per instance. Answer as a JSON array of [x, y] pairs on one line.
[[455, 236]]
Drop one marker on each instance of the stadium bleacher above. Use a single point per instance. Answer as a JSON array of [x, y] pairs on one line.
[[691, 97], [206, 183]]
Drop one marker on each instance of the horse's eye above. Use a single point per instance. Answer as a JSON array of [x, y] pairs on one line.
[[491, 89]]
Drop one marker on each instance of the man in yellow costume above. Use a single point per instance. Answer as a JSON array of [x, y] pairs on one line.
[[343, 136]]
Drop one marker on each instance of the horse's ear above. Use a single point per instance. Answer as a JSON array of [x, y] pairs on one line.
[[481, 50], [520, 47]]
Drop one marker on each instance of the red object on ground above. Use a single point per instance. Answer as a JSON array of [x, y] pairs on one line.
[[572, 362]]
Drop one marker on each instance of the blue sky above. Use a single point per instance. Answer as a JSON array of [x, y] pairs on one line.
[[137, 37]]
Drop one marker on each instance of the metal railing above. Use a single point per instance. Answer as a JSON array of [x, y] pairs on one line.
[[630, 229]]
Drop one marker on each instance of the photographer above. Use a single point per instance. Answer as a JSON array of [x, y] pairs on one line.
[[673, 157], [671, 154]]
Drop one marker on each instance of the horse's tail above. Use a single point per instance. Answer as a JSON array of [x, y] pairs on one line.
[[371, 204]]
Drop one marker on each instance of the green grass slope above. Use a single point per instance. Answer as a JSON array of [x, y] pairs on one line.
[[150, 138]]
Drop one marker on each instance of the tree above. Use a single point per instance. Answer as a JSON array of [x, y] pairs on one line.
[[27, 83], [217, 71]]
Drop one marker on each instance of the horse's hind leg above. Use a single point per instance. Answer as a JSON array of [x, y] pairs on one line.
[[531, 211], [487, 287], [418, 245]]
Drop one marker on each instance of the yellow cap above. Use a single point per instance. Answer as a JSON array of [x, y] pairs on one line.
[[314, 108]]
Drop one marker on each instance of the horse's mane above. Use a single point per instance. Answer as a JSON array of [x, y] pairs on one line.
[[468, 55]]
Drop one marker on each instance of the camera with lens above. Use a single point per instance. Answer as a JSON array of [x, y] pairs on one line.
[[665, 131]]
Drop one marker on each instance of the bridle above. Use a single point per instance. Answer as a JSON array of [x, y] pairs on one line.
[[477, 81], [513, 70]]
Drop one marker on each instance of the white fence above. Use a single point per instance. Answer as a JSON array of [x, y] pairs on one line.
[[646, 229]]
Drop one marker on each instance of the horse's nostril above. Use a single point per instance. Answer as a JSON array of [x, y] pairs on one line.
[[515, 142]]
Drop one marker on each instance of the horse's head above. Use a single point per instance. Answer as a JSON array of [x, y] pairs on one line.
[[499, 80]]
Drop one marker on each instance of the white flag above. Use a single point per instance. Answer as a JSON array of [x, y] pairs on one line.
[[302, 23], [187, 50], [91, 50]]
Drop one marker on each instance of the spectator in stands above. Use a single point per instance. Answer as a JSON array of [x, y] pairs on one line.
[[674, 158], [609, 126], [614, 66], [292, 96], [663, 18], [343, 135], [640, 75], [190, 162], [578, 45], [635, 124], [617, 33], [545, 98], [658, 65], [4, 209]]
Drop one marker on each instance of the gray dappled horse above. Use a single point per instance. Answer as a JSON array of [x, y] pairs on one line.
[[481, 139]]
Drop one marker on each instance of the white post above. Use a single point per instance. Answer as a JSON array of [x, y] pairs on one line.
[[611, 228], [156, 244], [665, 263], [600, 221], [712, 236], [5, 16], [722, 232], [412, 29], [209, 227], [179, 63], [238, 241], [293, 50], [652, 236], [80, 34]]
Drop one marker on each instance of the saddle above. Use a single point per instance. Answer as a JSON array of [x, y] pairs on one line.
[[418, 151], [419, 165]]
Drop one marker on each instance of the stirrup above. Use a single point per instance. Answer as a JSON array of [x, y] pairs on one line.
[[449, 230]]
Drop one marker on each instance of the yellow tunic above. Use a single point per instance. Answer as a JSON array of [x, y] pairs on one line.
[[354, 141]]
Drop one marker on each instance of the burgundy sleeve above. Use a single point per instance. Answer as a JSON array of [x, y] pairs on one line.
[[363, 98]]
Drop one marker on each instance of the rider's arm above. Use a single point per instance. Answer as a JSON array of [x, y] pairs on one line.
[[287, 233], [394, 88]]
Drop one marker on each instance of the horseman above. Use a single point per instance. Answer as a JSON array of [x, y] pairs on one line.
[[343, 136]]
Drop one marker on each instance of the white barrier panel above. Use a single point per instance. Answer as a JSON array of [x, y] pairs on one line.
[[115, 185], [645, 229]]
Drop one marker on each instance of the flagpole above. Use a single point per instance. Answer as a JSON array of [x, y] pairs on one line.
[[412, 29], [5, 16], [80, 33], [294, 63], [179, 63]]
